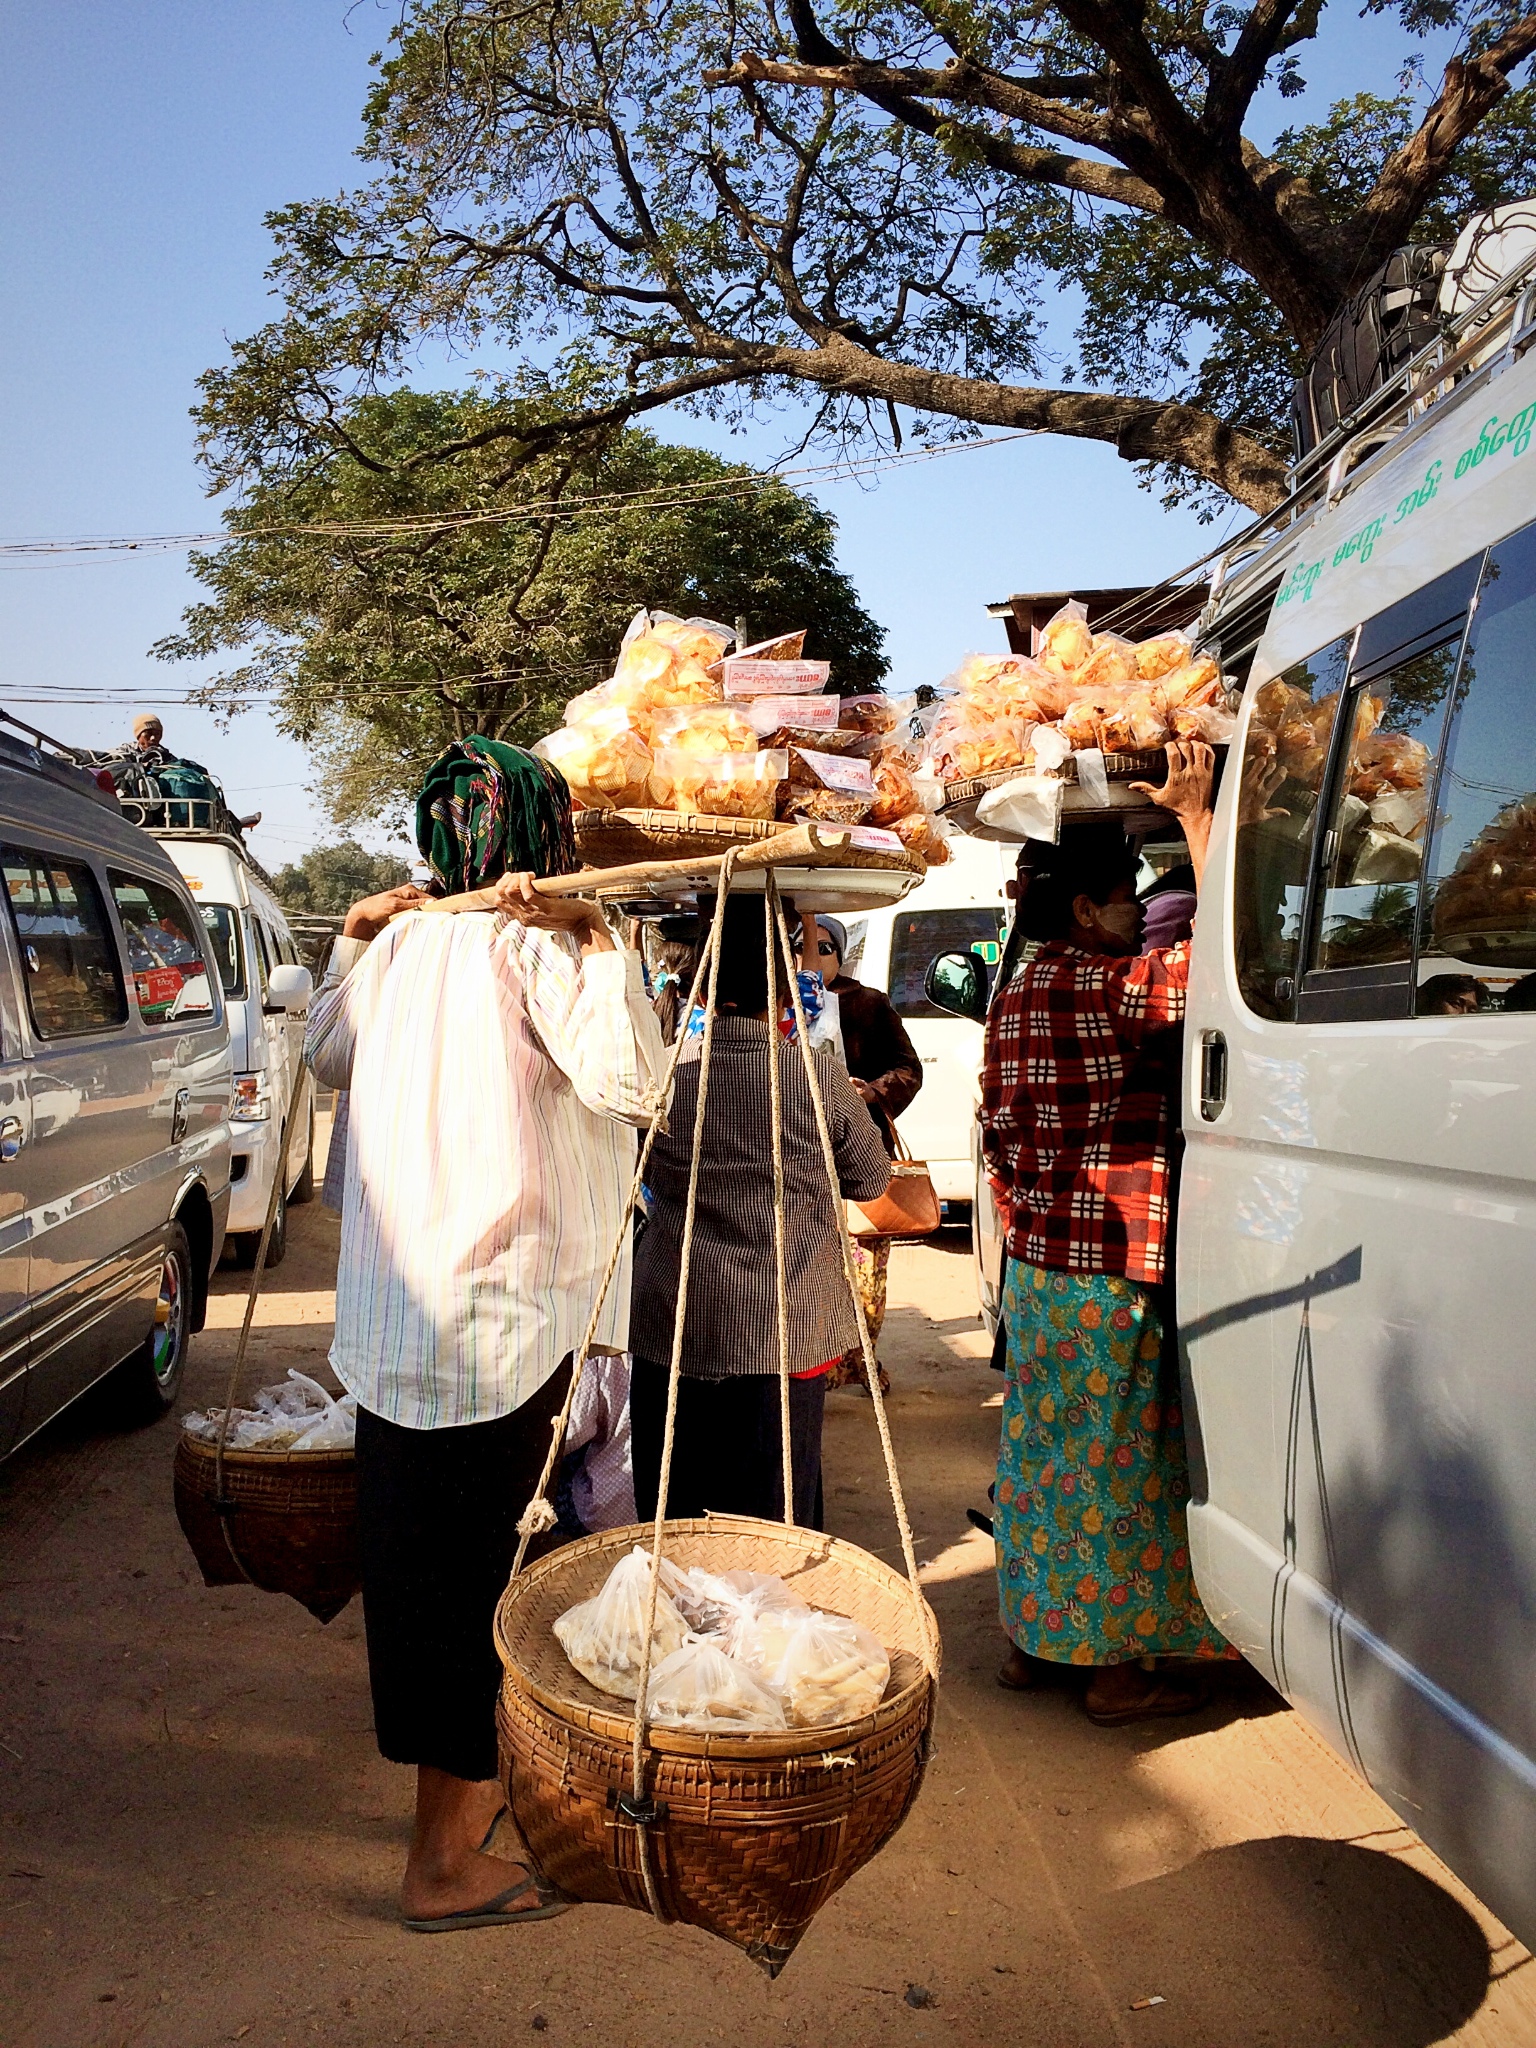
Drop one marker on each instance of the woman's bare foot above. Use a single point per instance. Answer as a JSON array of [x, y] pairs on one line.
[[1121, 1693], [447, 1871]]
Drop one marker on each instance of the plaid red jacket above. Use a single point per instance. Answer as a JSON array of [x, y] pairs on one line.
[[1078, 1090]]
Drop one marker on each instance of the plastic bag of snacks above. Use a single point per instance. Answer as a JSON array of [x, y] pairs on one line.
[[895, 792], [705, 729], [868, 714], [1161, 655], [699, 1686], [716, 1603], [603, 1637], [832, 1669], [968, 740], [805, 714], [604, 760], [836, 789], [295, 1415], [723, 785], [1112, 660], [922, 833], [1066, 640]]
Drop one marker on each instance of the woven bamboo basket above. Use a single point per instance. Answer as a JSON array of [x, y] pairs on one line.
[[288, 1523], [609, 839], [1149, 766], [754, 1832]]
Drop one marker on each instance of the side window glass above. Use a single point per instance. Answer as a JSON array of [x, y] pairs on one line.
[[1374, 851], [165, 954], [263, 958], [1477, 948], [1284, 762], [68, 956]]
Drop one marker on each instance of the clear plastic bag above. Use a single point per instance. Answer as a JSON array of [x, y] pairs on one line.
[[295, 1415], [705, 729], [1113, 660], [832, 1669], [603, 1637], [699, 1686], [722, 785], [1066, 640], [604, 760], [1161, 655], [895, 794], [967, 740]]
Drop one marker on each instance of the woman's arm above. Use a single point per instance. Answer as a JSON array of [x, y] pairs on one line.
[[858, 1150], [895, 1087]]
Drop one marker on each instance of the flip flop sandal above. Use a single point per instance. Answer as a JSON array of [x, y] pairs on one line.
[[490, 1834], [1163, 1703], [494, 1912]]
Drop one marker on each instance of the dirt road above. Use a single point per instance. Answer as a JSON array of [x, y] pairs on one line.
[[199, 1843]]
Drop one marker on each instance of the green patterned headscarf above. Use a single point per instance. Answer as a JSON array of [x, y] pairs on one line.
[[486, 810]]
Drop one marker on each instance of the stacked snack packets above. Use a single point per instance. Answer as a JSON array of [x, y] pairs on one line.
[[729, 1650], [1081, 690], [686, 725]]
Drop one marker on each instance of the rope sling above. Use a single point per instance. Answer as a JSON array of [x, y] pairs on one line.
[[540, 1515]]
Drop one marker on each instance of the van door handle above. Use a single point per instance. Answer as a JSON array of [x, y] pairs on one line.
[[179, 1115], [10, 1137], [1213, 1075]]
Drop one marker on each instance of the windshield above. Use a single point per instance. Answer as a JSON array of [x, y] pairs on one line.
[[223, 927]]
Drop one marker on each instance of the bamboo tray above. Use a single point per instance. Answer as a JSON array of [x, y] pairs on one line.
[[863, 878]]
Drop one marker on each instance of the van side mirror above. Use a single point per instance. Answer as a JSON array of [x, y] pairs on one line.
[[957, 982], [289, 988]]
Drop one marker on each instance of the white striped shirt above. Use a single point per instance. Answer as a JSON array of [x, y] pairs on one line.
[[493, 1074]]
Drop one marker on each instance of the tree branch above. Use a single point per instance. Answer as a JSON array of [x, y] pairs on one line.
[[1470, 87]]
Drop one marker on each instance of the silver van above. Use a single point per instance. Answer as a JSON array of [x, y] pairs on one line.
[[115, 1083]]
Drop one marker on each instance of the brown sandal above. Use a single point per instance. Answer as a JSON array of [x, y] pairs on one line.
[[1162, 1701]]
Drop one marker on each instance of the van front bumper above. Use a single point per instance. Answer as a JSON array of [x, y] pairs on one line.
[[252, 1147]]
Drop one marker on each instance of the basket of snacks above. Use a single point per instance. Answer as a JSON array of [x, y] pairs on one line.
[[686, 729], [275, 1504], [789, 1708], [1091, 712]]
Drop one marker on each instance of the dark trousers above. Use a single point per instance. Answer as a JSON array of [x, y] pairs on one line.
[[437, 1513], [727, 1453]]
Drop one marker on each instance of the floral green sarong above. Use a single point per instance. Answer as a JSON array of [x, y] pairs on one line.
[[1092, 1477]]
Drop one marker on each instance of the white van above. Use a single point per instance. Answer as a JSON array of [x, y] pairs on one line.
[[266, 997], [958, 907]]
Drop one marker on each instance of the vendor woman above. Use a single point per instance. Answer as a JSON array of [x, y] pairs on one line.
[[1079, 1088], [496, 1062], [727, 1451]]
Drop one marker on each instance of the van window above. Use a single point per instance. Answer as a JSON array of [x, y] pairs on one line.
[[1379, 813], [263, 958], [222, 924], [1480, 902], [165, 953], [917, 939], [1284, 762], [68, 955]]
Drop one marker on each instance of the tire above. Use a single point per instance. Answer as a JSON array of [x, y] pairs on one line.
[[304, 1186], [248, 1242], [145, 1386]]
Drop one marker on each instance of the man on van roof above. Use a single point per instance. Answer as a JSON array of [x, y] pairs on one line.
[[149, 736]]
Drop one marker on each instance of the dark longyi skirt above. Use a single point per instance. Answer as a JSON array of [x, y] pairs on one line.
[[727, 1453], [437, 1513]]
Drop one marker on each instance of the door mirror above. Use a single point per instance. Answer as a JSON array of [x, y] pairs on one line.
[[289, 988], [957, 982]]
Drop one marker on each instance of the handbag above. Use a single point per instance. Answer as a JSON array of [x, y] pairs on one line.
[[908, 1208]]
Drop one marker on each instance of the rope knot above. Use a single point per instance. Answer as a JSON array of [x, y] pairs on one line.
[[538, 1516]]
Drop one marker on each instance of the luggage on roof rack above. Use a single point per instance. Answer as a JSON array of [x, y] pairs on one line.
[[1393, 315]]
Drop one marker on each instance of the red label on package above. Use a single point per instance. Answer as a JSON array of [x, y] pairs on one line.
[[839, 771], [745, 677], [805, 714]]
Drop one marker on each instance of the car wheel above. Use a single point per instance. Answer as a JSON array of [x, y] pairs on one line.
[[304, 1186], [150, 1380]]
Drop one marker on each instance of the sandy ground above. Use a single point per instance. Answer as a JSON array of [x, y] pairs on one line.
[[199, 1843]]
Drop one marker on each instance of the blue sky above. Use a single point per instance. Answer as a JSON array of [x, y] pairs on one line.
[[142, 146]]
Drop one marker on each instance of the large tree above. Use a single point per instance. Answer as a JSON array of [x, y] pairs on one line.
[[328, 880], [386, 604], [721, 203]]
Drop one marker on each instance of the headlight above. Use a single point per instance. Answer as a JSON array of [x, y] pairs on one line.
[[250, 1098]]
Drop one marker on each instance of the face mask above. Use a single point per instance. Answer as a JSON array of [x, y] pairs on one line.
[[1122, 920]]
